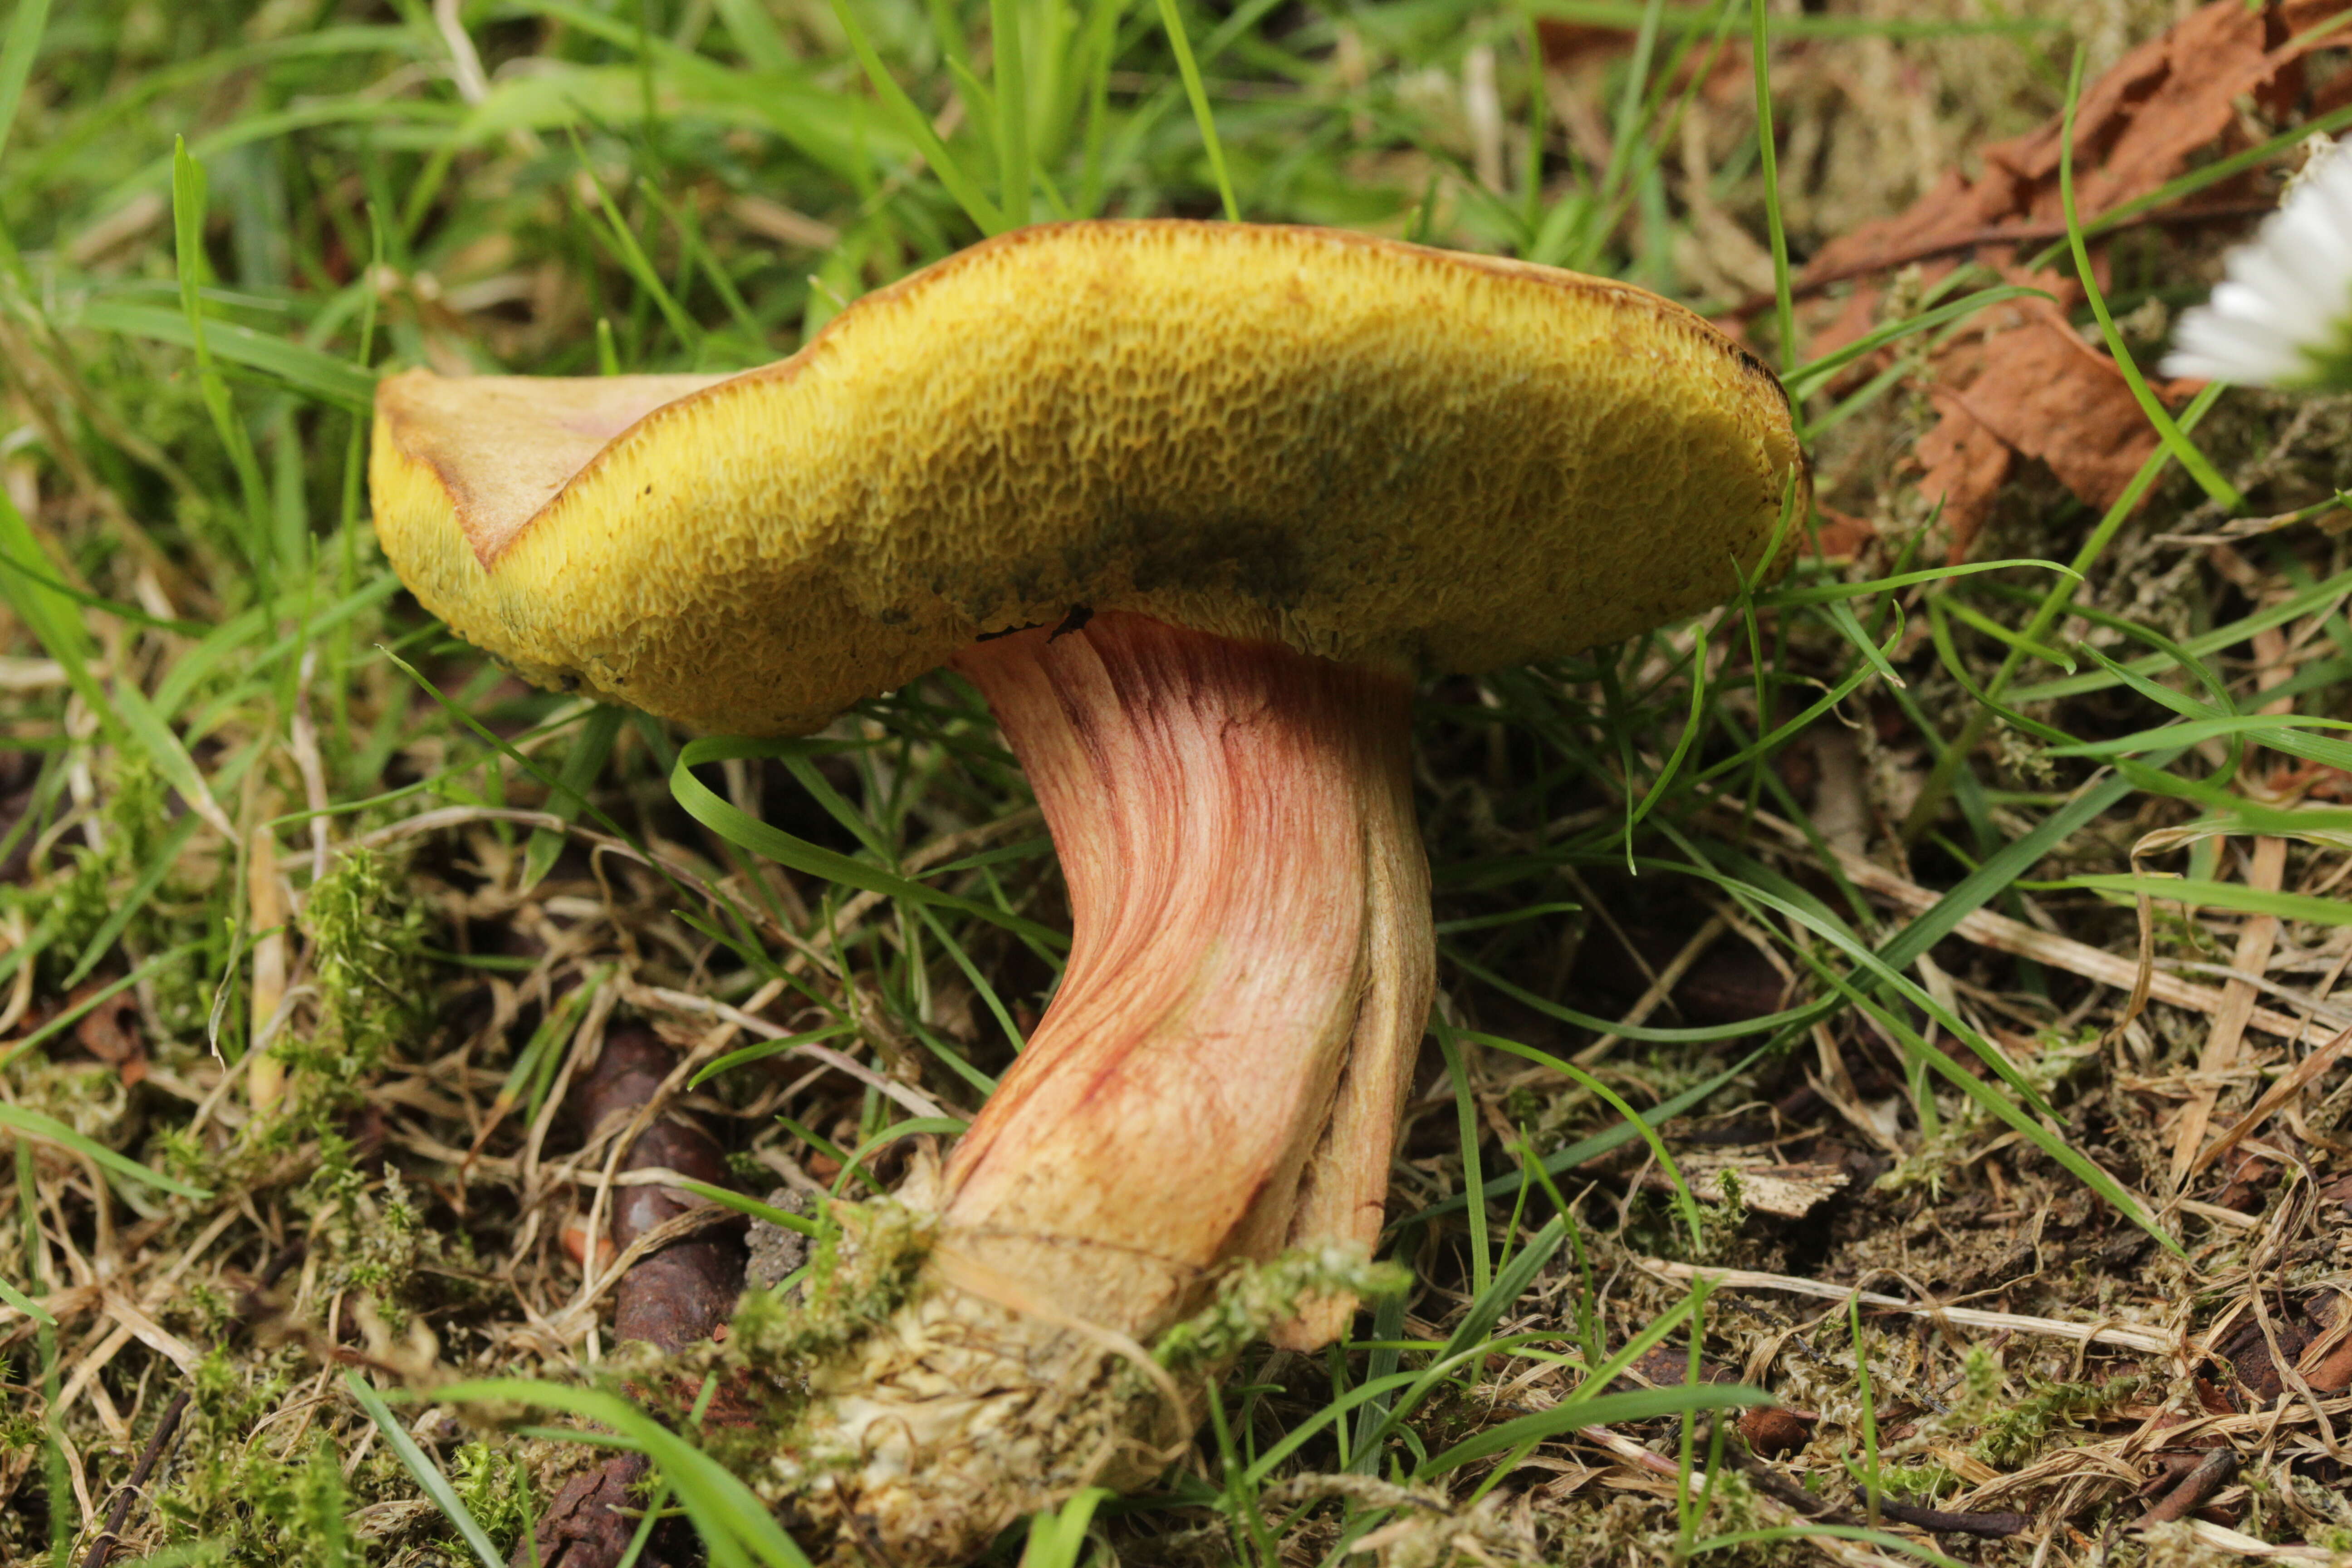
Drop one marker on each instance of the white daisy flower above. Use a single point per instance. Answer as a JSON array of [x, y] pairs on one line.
[[2283, 315]]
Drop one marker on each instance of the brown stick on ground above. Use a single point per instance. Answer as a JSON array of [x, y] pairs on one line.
[[669, 1299], [250, 1308], [2195, 1490]]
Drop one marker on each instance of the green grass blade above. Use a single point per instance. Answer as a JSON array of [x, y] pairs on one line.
[[2258, 725], [1190, 69], [583, 761], [2082, 1166], [1057, 1537], [425, 1473], [727, 1198], [1937, 786], [1012, 81], [1583, 1149], [1466, 1110], [1806, 379], [2192, 458], [736, 1526], [1607, 1096], [1831, 593], [27, 1305], [1784, 306], [39, 1129], [1642, 1404], [23, 45], [2190, 653], [42, 605], [2235, 896], [147, 728], [304, 369], [1692, 1034], [100, 945], [188, 201], [1515, 1280], [763, 1049], [1960, 610], [1822, 923], [918, 127], [755, 33], [747, 832]]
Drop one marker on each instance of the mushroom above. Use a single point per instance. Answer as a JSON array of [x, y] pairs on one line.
[[1191, 504]]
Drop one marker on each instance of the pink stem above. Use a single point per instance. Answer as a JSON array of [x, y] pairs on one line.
[[1218, 1075]]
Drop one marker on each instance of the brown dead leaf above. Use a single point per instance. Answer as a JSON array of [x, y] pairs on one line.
[[2044, 393], [1567, 46], [1842, 536], [2136, 127], [2026, 384], [1573, 46], [1964, 464], [110, 1031]]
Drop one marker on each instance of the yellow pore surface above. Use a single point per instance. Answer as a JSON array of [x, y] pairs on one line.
[[1366, 449]]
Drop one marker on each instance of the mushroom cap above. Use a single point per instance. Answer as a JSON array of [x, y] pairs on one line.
[[1369, 450]]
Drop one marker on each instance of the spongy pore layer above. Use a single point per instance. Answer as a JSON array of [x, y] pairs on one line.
[[1369, 450]]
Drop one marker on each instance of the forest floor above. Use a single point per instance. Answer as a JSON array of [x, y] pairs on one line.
[[1966, 916]]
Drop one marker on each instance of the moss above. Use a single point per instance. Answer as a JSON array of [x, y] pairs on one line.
[[1917, 1483], [494, 1483], [369, 1241], [865, 1265], [1253, 1297], [2013, 1432], [366, 934], [254, 1504], [87, 895], [862, 1269]]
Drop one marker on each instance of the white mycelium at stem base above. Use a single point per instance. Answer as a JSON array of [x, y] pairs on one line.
[[1217, 1079]]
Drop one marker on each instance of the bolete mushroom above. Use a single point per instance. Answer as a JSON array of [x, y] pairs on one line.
[[1191, 503]]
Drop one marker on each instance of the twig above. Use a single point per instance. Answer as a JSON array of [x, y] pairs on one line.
[[102, 1549], [2147, 1341], [2195, 1490], [1940, 1522], [670, 1293]]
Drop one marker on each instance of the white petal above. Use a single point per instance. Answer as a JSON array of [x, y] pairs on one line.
[[2212, 347], [2300, 245], [2206, 330], [2287, 297], [2265, 272], [2236, 300]]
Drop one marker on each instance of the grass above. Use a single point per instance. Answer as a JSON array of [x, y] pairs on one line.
[[222, 221]]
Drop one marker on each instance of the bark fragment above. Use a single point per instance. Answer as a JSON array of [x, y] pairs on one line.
[[668, 1299]]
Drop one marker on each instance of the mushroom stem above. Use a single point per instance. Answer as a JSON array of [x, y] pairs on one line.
[[1219, 1075], [1217, 1079]]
